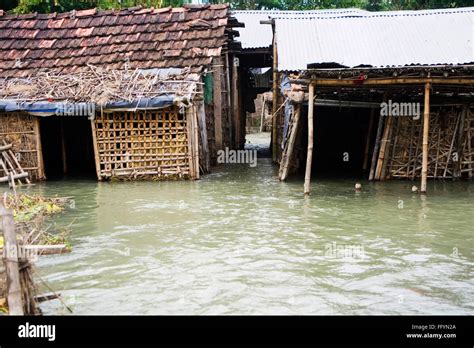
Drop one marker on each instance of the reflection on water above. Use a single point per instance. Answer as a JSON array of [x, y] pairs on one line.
[[241, 242]]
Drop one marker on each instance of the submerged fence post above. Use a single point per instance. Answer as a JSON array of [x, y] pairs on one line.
[[15, 304], [274, 99], [426, 129], [309, 156]]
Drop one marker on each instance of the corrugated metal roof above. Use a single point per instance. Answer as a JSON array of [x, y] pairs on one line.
[[256, 35], [378, 39]]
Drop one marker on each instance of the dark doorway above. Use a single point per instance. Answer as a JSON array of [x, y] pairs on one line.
[[67, 147], [340, 137]]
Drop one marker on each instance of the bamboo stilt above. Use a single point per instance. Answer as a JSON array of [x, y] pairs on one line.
[[196, 142], [426, 128], [203, 129], [460, 142], [229, 102], [274, 101], [96, 151], [469, 148], [236, 103], [39, 150], [394, 136], [309, 156], [287, 156], [383, 147], [14, 296], [217, 102], [376, 148], [190, 136]]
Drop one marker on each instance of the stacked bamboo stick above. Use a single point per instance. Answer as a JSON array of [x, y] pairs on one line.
[[100, 85]]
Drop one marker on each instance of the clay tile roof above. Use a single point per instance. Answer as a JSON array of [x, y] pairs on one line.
[[141, 37]]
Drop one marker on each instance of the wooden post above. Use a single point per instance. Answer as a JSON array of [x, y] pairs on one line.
[[196, 142], [203, 131], [426, 128], [309, 156], [274, 101], [193, 154], [383, 148], [229, 101], [39, 150], [286, 159], [367, 144], [14, 299], [459, 152], [375, 154], [236, 102], [469, 128], [217, 102], [262, 116], [96, 150]]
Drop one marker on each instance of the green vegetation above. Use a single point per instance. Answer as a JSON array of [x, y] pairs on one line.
[[27, 208], [47, 6], [30, 212]]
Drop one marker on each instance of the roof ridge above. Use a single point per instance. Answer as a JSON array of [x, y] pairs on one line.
[[100, 12], [409, 13]]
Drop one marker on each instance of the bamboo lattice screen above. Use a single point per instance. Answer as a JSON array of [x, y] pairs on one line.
[[450, 145], [142, 144], [22, 131]]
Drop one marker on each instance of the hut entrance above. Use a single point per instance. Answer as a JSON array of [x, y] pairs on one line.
[[340, 141], [67, 147]]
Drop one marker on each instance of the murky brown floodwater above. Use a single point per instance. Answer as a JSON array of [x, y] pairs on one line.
[[241, 242]]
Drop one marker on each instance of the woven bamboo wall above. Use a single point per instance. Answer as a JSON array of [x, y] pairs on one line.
[[21, 130], [133, 145], [450, 145]]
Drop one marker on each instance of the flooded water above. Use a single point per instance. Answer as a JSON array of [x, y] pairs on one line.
[[240, 242]]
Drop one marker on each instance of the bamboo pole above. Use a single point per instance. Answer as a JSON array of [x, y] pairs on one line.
[[96, 151], [394, 136], [262, 116], [196, 142], [448, 158], [469, 142], [236, 103], [286, 160], [203, 130], [190, 136], [383, 147], [367, 144], [229, 101], [426, 128], [375, 154], [389, 146], [5, 147], [309, 156], [460, 144], [39, 150], [14, 299], [217, 103], [274, 100]]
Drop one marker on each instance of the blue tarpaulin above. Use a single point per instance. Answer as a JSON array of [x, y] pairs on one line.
[[43, 108]]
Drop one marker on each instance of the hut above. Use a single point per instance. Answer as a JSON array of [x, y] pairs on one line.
[[129, 94], [378, 94]]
